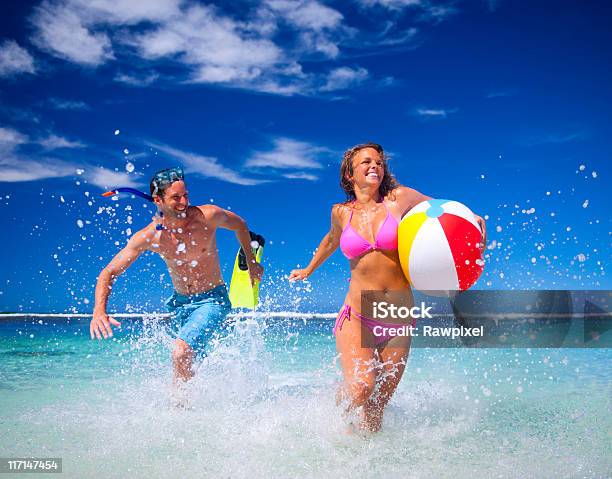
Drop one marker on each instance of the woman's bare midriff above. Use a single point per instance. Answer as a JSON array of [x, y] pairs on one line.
[[375, 271]]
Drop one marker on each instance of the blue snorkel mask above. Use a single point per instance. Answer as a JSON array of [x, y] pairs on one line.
[[166, 177]]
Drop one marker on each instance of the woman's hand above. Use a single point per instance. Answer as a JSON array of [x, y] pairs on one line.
[[483, 228], [299, 274]]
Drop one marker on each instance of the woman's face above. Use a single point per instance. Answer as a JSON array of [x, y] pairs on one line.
[[368, 167]]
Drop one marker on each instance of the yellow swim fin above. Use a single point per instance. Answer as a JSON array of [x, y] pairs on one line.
[[241, 293]]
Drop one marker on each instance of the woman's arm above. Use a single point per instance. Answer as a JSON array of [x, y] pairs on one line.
[[408, 198], [328, 245]]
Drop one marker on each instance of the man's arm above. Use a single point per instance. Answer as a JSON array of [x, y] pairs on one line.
[[100, 325], [231, 221]]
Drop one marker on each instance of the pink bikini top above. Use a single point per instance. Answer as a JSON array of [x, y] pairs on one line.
[[353, 245]]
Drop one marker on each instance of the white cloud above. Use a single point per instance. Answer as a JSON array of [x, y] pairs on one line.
[[205, 165], [301, 176], [425, 10], [59, 29], [391, 4], [263, 48], [391, 36], [296, 87], [14, 59], [54, 142], [14, 169], [108, 179], [214, 46], [287, 154], [10, 139], [319, 43], [139, 81], [127, 12], [435, 112], [62, 104], [319, 26], [343, 78], [307, 14], [437, 13]]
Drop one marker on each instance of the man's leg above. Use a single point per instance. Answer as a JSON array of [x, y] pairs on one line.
[[204, 320], [182, 359]]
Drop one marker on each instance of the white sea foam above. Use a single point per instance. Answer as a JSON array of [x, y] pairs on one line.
[[259, 409]]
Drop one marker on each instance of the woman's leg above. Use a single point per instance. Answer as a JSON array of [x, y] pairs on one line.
[[358, 364], [393, 357]]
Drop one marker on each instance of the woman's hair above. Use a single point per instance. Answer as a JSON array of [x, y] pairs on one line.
[[388, 184]]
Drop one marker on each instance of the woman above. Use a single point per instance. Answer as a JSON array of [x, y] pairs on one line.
[[365, 228]]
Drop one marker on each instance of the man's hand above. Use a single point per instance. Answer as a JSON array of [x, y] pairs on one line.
[[483, 228], [255, 271], [299, 274], [101, 325]]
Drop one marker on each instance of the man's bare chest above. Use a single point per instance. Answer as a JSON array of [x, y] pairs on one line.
[[185, 246]]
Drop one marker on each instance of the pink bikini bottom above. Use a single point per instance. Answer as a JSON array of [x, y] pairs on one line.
[[345, 313]]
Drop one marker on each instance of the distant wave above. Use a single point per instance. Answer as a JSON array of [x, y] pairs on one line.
[[296, 315], [246, 314]]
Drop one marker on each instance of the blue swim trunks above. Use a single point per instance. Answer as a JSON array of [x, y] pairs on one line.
[[198, 317]]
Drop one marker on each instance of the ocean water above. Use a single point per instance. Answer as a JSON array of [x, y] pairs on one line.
[[263, 405]]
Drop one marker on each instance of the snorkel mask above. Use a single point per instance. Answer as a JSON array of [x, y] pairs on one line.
[[166, 177]]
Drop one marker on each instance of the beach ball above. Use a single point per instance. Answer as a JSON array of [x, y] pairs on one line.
[[439, 246]]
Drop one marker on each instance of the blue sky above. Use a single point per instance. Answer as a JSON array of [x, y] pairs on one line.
[[502, 107]]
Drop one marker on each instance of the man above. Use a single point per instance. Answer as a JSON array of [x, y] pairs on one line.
[[185, 237]]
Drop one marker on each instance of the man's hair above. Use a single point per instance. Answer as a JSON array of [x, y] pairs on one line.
[[389, 183], [157, 190]]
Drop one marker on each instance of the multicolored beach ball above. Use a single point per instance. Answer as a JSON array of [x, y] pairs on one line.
[[439, 246]]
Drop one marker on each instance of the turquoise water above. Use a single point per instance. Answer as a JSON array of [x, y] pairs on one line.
[[263, 405]]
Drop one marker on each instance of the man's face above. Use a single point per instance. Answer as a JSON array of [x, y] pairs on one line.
[[175, 200]]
